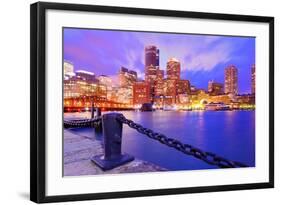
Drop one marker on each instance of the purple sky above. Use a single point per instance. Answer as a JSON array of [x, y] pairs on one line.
[[202, 57]]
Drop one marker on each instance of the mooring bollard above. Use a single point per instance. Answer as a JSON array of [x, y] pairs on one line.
[[112, 139], [98, 128], [92, 112], [98, 110]]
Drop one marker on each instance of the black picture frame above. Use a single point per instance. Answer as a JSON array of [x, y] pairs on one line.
[[38, 100]]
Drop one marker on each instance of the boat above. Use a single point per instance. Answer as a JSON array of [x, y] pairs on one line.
[[147, 107], [170, 108], [216, 106]]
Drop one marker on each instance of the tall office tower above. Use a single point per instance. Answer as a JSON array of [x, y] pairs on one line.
[[253, 79], [230, 80], [173, 69], [151, 67], [151, 53], [151, 62]]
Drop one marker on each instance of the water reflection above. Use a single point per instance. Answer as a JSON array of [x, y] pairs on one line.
[[228, 133]]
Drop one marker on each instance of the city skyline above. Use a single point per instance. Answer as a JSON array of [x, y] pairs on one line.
[[90, 50]]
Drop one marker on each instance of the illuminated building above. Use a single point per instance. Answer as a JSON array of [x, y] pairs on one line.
[[151, 74], [151, 63], [253, 79], [141, 93], [127, 77], [70, 87], [223, 98], [86, 76], [183, 87], [124, 95], [106, 81], [152, 69], [182, 90], [170, 91], [68, 69], [230, 80], [159, 83], [84, 84], [171, 83], [215, 88], [173, 69], [245, 99], [151, 56], [183, 98], [159, 88]]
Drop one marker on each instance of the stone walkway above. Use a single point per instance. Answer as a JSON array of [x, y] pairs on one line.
[[79, 149]]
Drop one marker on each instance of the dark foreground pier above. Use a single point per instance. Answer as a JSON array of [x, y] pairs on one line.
[[78, 151]]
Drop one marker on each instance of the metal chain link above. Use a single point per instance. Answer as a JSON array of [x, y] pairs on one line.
[[187, 149], [82, 123]]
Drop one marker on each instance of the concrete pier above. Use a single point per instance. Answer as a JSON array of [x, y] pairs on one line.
[[79, 149]]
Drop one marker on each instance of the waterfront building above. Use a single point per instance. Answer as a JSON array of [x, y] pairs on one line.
[[222, 98], [127, 77], [230, 80], [183, 99], [124, 95], [215, 88], [107, 82], [245, 99], [253, 79], [68, 69], [84, 84], [141, 93], [86, 76], [70, 87], [173, 69]]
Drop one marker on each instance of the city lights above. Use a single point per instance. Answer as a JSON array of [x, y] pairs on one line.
[[163, 90]]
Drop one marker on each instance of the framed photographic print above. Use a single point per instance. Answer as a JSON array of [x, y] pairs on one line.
[[129, 102]]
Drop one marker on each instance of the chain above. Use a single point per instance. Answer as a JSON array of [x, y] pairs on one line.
[[187, 149], [82, 123]]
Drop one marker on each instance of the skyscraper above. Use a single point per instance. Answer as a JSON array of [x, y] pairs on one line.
[[151, 62], [151, 54], [173, 69], [253, 79], [230, 80], [151, 67]]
